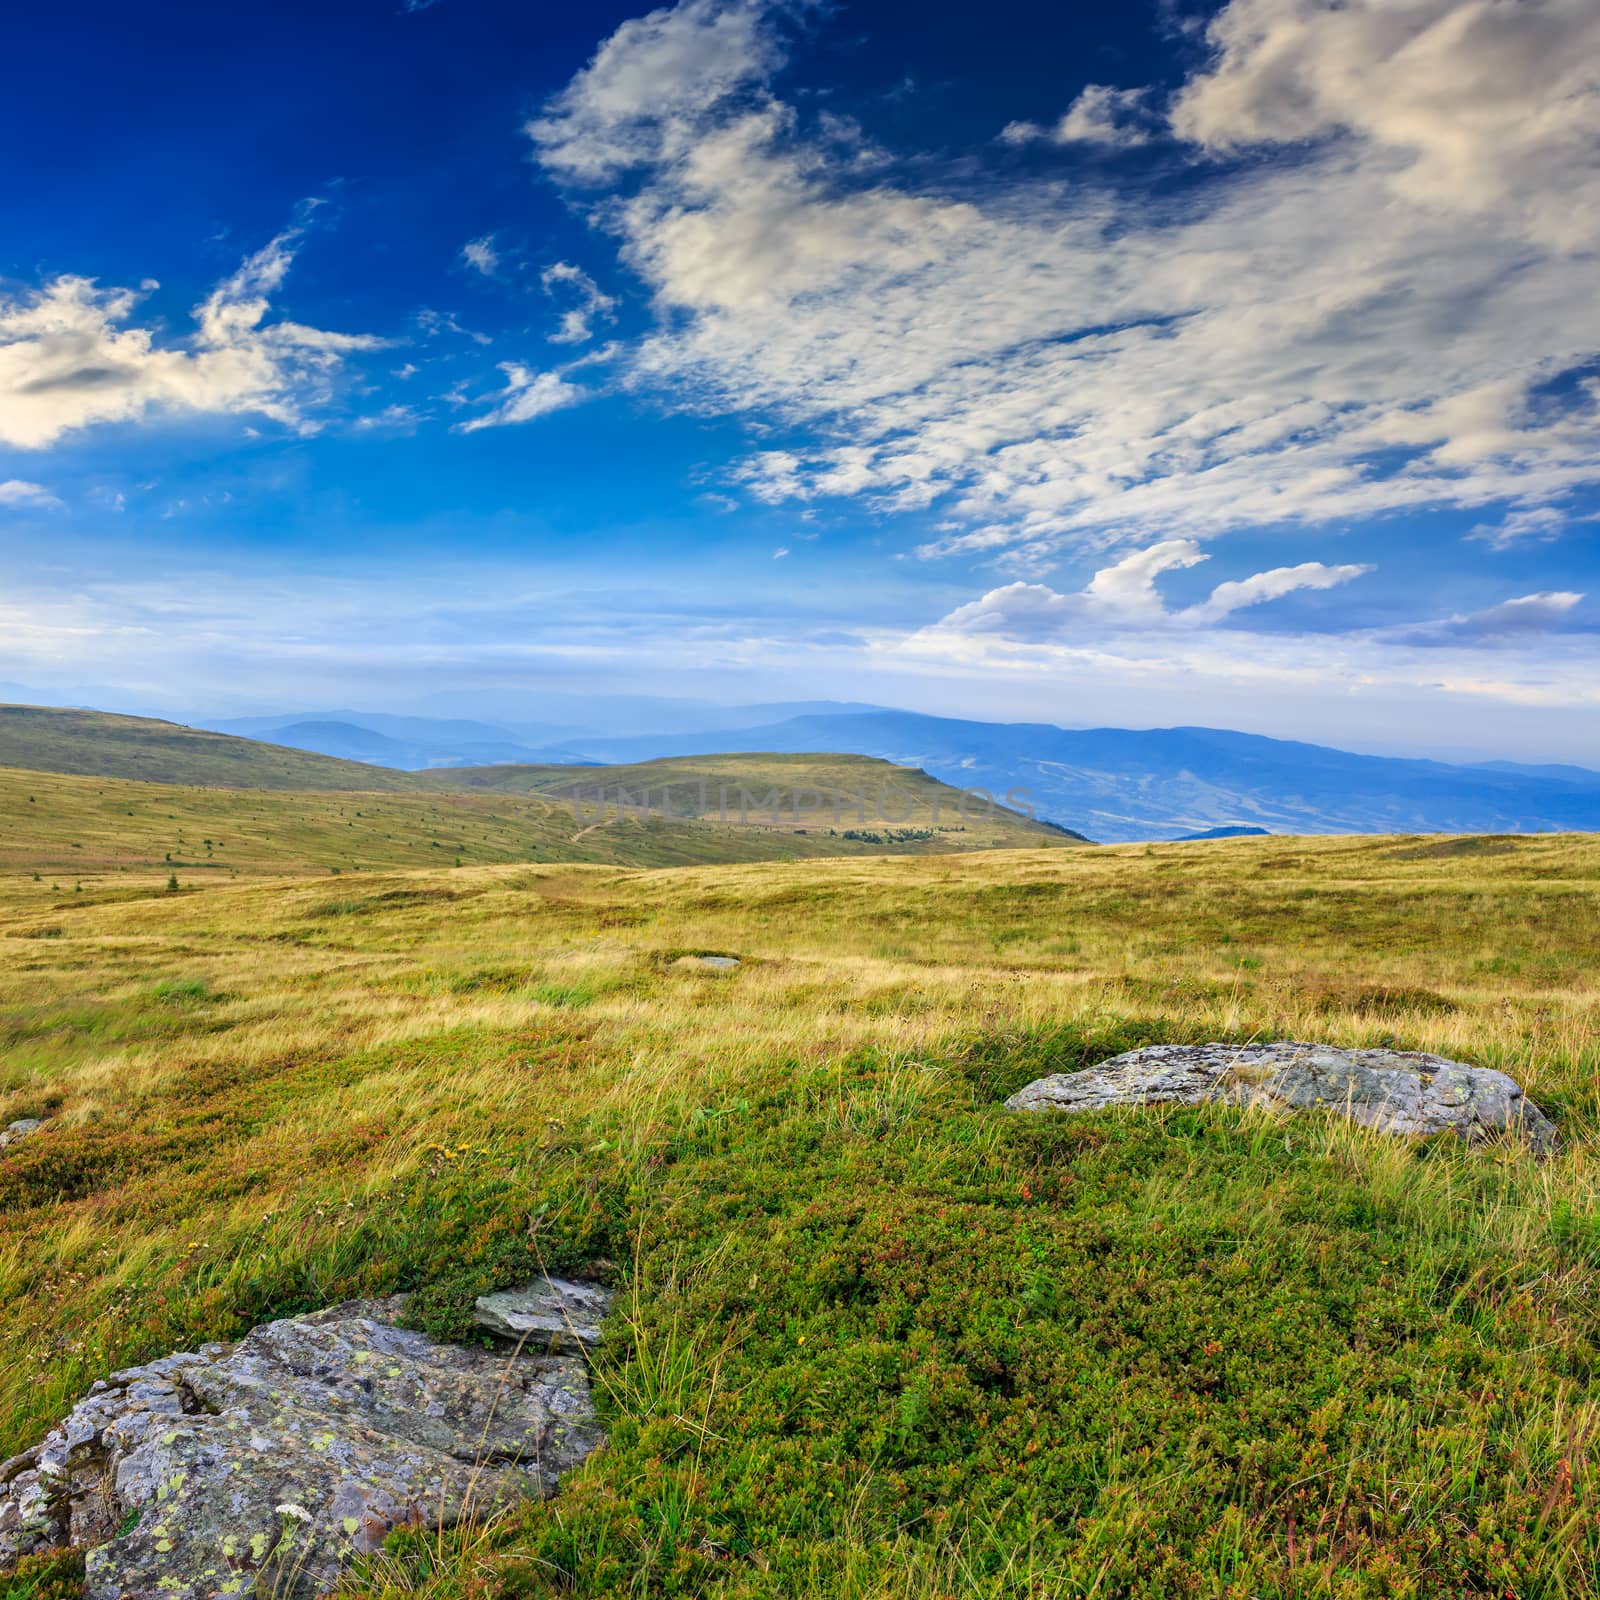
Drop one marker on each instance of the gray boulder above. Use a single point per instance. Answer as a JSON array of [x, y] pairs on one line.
[[1394, 1091], [20, 1129], [552, 1315], [264, 1465]]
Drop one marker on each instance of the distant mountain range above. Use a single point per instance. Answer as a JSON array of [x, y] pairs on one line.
[[411, 743], [1111, 784], [1117, 784], [416, 744]]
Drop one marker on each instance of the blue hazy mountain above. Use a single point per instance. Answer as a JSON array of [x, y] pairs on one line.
[[416, 742], [1159, 783], [411, 743]]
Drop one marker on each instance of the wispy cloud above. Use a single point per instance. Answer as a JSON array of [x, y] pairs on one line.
[[1368, 314], [70, 358], [527, 394], [1510, 622], [1531, 525], [481, 255], [577, 321], [18, 492]]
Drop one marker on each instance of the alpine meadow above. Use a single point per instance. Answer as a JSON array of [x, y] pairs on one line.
[[800, 802]]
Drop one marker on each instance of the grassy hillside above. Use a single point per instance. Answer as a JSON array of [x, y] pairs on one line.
[[100, 836], [756, 807], [98, 744], [875, 1335], [859, 794]]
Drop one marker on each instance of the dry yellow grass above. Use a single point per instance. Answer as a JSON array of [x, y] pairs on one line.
[[247, 1077]]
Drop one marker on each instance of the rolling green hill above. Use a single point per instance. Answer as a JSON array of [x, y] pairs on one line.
[[98, 836], [85, 795], [845, 793], [100, 744]]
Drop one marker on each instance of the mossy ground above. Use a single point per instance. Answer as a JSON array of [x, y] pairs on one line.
[[875, 1336]]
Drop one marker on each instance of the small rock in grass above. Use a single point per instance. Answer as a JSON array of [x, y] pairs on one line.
[[706, 963], [552, 1315], [20, 1129], [1393, 1091]]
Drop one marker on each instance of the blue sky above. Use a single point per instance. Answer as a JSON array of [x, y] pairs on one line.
[[1147, 364]]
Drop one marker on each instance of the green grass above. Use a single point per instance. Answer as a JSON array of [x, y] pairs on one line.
[[837, 793], [874, 1336], [101, 744], [98, 839]]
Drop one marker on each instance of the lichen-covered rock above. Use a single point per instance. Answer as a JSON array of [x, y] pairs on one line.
[[1393, 1091], [267, 1463], [20, 1129], [551, 1315]]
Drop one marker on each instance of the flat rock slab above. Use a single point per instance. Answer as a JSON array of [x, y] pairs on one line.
[[552, 1316], [20, 1129], [1394, 1091], [264, 1465], [706, 963]]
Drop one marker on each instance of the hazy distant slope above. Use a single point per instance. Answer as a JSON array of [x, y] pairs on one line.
[[1126, 784], [839, 793], [408, 743], [98, 744]]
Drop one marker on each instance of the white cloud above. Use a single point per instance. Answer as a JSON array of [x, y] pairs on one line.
[[481, 255], [1508, 622], [1531, 525], [780, 552], [1125, 595], [648, 80], [577, 322], [69, 359], [1227, 598], [1284, 341], [527, 394], [19, 493], [1484, 105], [432, 324], [391, 419], [1120, 118]]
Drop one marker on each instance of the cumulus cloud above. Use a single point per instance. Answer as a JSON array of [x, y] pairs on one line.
[[69, 357], [1481, 105], [1387, 307], [1506, 623], [481, 255], [577, 321], [17, 492], [527, 394], [649, 81], [1124, 595], [1120, 118]]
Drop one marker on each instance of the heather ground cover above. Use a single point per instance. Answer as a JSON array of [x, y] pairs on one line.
[[875, 1335]]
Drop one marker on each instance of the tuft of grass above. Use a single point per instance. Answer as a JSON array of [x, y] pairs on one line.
[[182, 991], [54, 1575]]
